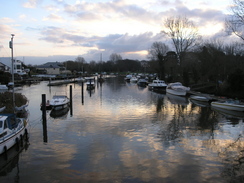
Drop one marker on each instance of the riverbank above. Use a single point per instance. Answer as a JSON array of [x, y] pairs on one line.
[[6, 100]]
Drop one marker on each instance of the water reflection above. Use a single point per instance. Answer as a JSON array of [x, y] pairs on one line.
[[123, 133]]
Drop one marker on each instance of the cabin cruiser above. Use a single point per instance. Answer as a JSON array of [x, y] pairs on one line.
[[157, 84], [59, 102], [177, 89]]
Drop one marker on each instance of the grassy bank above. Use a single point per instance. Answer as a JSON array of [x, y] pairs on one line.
[[6, 99]]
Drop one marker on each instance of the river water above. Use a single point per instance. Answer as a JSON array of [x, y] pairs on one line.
[[125, 133]]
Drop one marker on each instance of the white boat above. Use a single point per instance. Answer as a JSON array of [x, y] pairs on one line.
[[229, 113], [3, 88], [90, 84], [12, 130], [177, 89], [80, 79], [59, 102], [133, 79], [128, 77], [13, 126], [200, 98], [233, 105], [142, 82], [157, 85]]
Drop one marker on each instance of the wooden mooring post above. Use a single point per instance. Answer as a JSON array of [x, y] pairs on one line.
[[82, 92], [44, 118], [71, 100]]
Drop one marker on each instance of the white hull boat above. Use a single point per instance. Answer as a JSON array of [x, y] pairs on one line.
[[133, 79], [157, 85], [229, 113], [90, 84], [59, 102], [177, 89], [229, 105], [128, 77], [142, 82], [199, 98], [13, 131]]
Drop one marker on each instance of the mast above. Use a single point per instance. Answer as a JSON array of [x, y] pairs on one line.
[[11, 45]]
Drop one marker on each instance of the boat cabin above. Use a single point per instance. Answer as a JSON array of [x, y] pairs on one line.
[[8, 121]]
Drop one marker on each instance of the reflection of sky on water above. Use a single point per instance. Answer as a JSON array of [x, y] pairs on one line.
[[124, 133]]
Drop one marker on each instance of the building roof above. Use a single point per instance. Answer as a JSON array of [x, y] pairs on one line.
[[51, 65]]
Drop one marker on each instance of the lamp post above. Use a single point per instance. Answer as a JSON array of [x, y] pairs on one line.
[[11, 45]]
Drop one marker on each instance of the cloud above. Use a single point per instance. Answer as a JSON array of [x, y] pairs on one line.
[[53, 17], [31, 3]]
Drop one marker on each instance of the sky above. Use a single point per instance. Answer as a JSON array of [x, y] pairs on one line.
[[61, 30]]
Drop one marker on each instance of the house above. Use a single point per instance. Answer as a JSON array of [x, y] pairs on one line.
[[4, 68], [18, 68], [51, 68]]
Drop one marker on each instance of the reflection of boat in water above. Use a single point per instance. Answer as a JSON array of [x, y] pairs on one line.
[[229, 113], [59, 113], [174, 99], [10, 159]]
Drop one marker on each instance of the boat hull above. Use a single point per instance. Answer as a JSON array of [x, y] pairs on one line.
[[60, 107], [176, 92], [228, 106], [10, 141]]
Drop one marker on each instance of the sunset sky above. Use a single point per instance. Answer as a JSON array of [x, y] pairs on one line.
[[60, 30]]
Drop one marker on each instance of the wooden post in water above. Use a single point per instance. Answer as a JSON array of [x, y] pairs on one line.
[[71, 101], [44, 118], [82, 92]]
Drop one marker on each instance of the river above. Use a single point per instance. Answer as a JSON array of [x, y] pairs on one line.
[[124, 133]]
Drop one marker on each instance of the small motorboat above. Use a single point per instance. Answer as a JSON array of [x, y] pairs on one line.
[[59, 102], [3, 88], [142, 82], [233, 105], [177, 89], [128, 77], [157, 85], [90, 84], [133, 79], [199, 98]]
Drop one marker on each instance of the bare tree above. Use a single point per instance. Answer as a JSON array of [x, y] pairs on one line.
[[157, 52], [235, 23], [182, 32], [115, 57], [81, 61]]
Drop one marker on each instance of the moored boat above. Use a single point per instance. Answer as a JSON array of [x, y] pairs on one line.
[[177, 89], [128, 77], [12, 131], [142, 82], [90, 84], [157, 85], [133, 79], [59, 102], [234, 105]]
